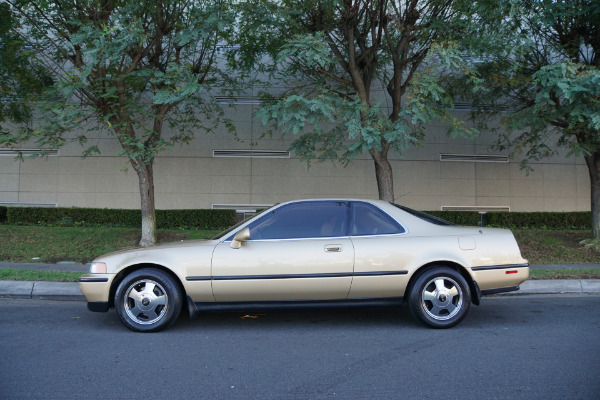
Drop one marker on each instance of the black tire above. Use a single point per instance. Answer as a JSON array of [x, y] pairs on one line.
[[440, 297], [148, 300]]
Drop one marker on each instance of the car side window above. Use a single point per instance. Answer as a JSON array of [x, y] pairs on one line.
[[302, 220], [369, 220]]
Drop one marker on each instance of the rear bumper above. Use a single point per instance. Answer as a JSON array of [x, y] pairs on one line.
[[500, 278], [487, 292]]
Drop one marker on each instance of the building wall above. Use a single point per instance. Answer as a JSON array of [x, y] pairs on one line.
[[190, 177]]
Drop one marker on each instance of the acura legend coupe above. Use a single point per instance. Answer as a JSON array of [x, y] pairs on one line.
[[311, 253]]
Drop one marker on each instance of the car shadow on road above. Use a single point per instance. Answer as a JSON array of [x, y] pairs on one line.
[[492, 313], [299, 319]]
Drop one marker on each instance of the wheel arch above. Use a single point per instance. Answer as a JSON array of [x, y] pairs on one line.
[[473, 288], [132, 268]]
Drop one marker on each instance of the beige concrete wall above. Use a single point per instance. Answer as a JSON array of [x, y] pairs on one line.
[[189, 177]]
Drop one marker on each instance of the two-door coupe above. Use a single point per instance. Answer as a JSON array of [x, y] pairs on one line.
[[312, 253]]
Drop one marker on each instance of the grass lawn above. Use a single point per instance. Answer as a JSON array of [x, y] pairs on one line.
[[588, 273], [35, 275], [53, 244], [555, 247]]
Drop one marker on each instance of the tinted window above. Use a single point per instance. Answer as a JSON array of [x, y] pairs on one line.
[[302, 220], [369, 220]]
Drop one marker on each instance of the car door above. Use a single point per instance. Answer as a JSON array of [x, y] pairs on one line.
[[299, 251], [381, 253]]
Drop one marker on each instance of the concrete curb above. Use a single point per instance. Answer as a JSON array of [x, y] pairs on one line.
[[557, 286], [70, 290], [41, 290]]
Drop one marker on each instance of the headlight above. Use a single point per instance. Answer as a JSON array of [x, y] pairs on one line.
[[97, 268]]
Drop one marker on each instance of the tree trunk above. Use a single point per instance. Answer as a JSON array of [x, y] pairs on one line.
[[384, 175], [146, 180], [593, 162]]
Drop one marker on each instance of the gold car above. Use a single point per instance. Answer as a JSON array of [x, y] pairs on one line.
[[312, 253]]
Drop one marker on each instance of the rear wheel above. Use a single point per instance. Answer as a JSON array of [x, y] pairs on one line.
[[148, 300], [440, 297]]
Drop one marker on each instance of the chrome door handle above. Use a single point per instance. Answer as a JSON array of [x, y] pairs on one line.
[[333, 248]]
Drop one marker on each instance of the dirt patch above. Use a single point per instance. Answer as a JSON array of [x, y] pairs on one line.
[[133, 237]]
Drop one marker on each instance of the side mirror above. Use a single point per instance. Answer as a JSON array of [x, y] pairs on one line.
[[239, 238]]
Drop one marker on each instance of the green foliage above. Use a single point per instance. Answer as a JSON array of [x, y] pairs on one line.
[[21, 76], [541, 220], [567, 102], [542, 84], [202, 219], [348, 67], [3, 211], [464, 218], [139, 70], [135, 65]]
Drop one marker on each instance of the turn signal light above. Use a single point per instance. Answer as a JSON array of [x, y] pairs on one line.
[[97, 268]]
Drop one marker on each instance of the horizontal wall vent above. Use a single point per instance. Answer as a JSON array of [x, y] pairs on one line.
[[237, 100], [28, 152], [242, 211], [251, 153], [476, 208], [474, 158], [16, 204]]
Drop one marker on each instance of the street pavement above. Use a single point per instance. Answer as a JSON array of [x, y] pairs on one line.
[[508, 348], [70, 290]]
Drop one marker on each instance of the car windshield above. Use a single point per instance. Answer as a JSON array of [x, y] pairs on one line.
[[424, 216], [234, 227]]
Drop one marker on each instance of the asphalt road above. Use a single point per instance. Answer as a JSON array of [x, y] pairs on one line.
[[508, 348]]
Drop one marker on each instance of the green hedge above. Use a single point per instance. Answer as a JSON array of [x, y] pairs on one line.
[[541, 220], [468, 218], [216, 219], [202, 219], [532, 220]]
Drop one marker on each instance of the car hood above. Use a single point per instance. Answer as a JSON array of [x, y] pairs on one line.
[[165, 246]]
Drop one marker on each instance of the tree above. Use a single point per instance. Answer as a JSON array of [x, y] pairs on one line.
[[336, 54], [545, 84], [21, 78], [130, 67]]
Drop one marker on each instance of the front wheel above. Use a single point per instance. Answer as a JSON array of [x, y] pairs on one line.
[[148, 300], [440, 298]]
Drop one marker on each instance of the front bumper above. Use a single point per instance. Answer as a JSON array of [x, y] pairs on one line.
[[96, 287]]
